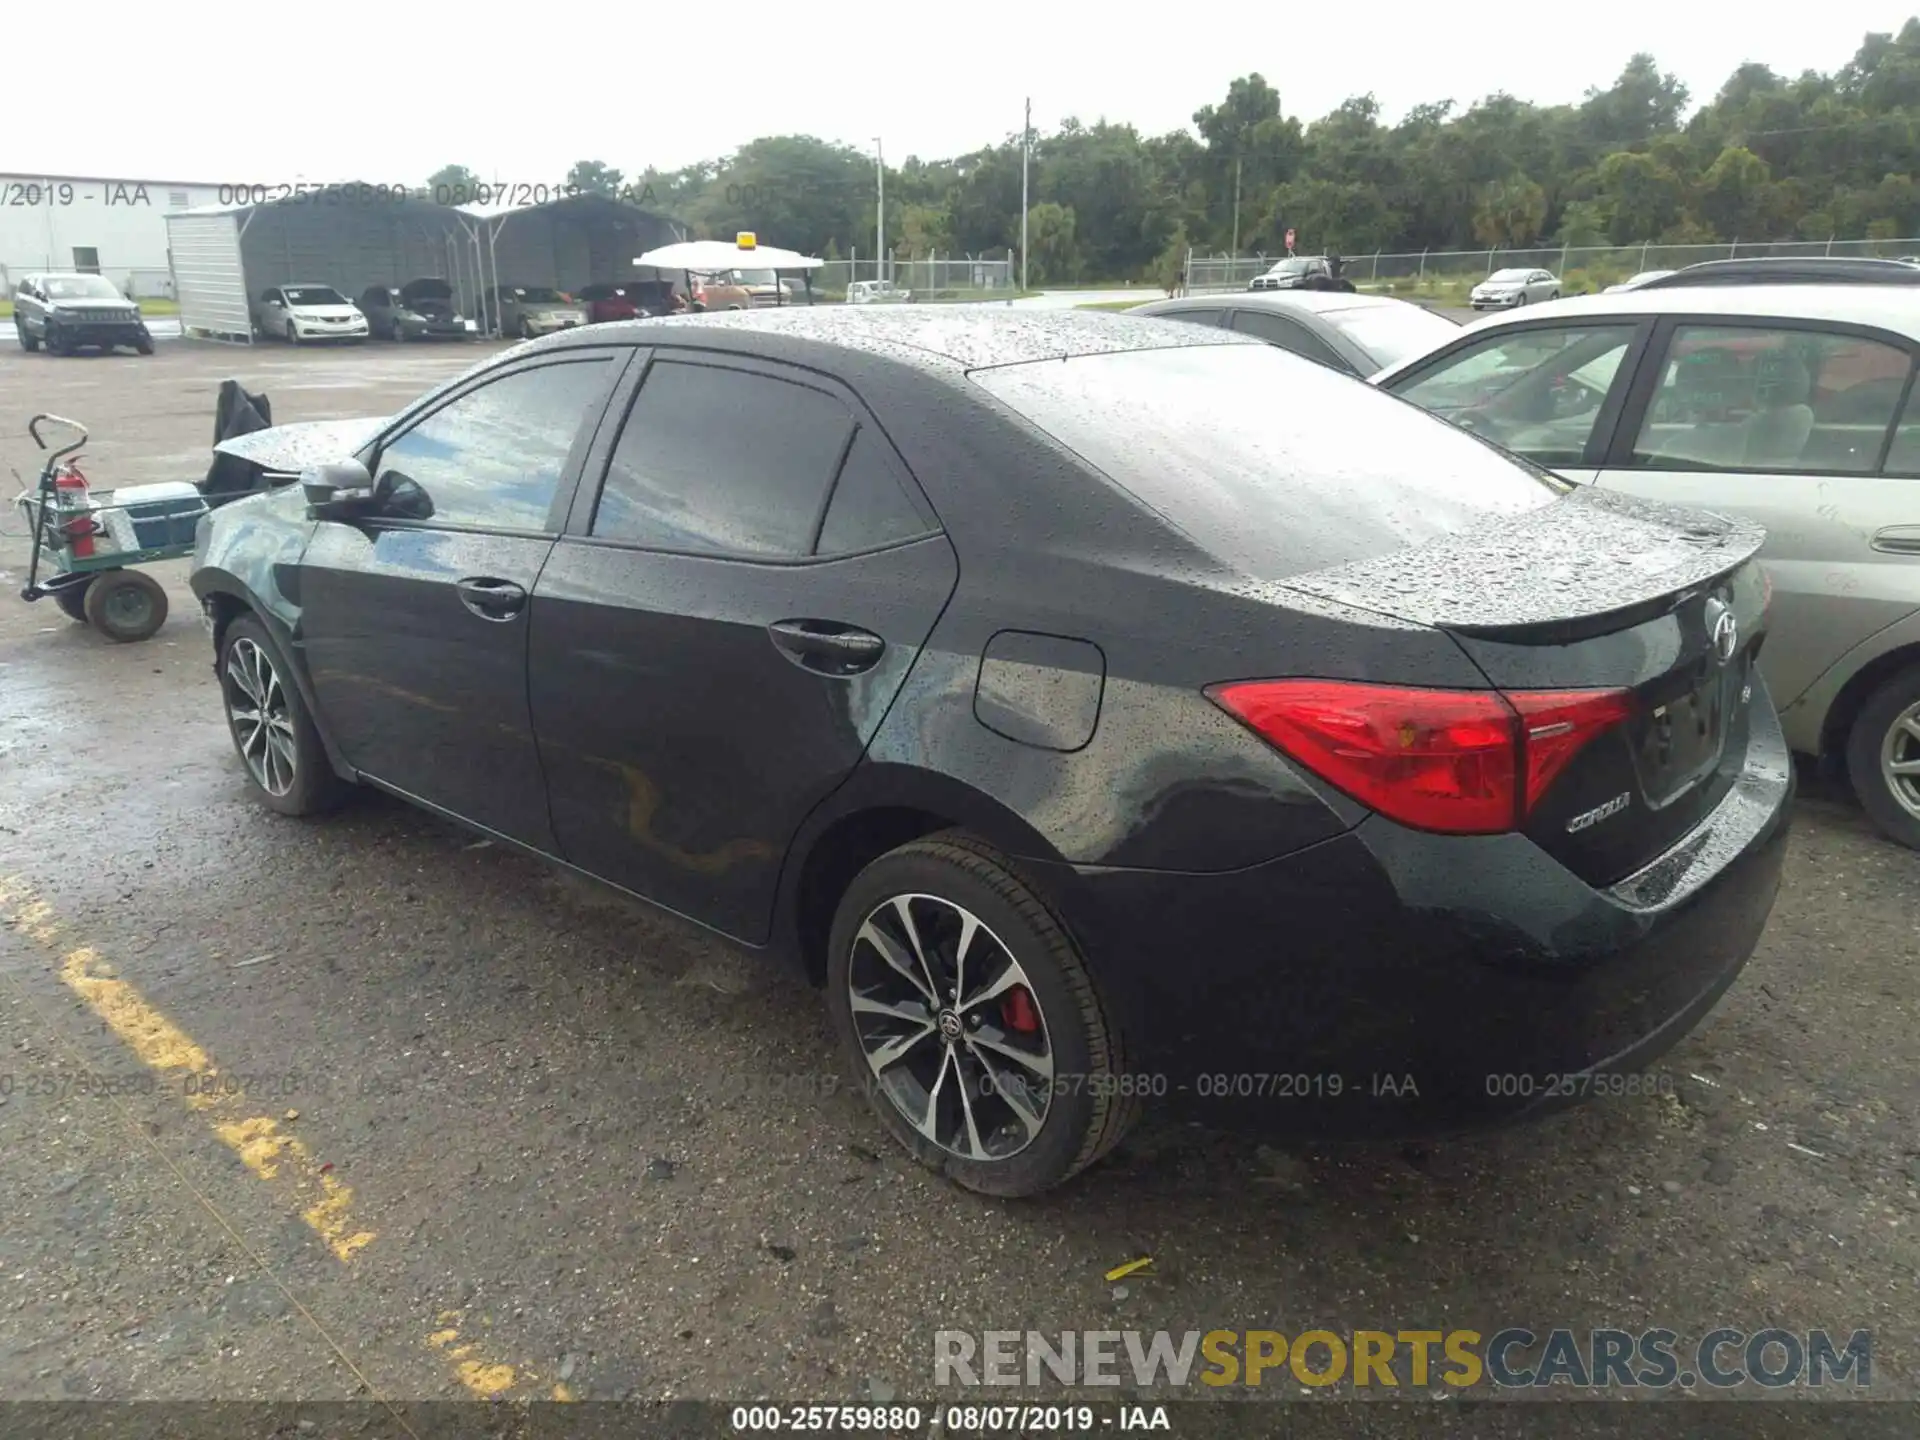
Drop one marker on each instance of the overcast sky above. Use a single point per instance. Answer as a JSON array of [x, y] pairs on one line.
[[385, 94]]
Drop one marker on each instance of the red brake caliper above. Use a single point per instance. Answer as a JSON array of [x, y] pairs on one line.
[[1019, 1012]]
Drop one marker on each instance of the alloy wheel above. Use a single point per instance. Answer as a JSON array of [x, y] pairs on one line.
[[257, 710], [950, 1027], [1900, 759]]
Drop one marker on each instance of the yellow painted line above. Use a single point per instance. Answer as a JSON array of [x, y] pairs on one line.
[[263, 1144]]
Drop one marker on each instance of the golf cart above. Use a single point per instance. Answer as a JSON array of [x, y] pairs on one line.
[[744, 254]]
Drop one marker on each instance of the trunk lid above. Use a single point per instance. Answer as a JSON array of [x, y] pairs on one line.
[[1601, 591]]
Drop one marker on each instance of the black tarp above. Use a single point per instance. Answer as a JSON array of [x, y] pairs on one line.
[[237, 413]]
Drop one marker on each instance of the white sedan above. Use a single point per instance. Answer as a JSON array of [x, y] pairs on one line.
[[1504, 289], [298, 313]]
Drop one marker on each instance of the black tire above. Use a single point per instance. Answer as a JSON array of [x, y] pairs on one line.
[[1555, 295], [314, 787], [1872, 733], [72, 600], [144, 346], [1088, 1113], [29, 342], [293, 335], [125, 605], [57, 343]]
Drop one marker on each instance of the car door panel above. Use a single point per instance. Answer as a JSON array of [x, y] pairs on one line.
[[415, 630], [683, 746], [689, 708], [418, 691]]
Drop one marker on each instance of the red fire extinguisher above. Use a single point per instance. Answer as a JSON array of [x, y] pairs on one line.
[[70, 495]]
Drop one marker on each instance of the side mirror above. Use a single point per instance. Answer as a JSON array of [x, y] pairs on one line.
[[402, 497], [336, 490]]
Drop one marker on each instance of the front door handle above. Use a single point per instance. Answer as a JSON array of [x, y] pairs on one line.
[[491, 599], [1898, 539], [827, 647]]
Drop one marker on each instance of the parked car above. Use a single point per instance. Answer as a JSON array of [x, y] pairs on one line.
[[1784, 404], [527, 311], [299, 313], [656, 297], [1504, 289], [606, 303], [1634, 282], [68, 311], [1292, 273], [1029, 808], [877, 292], [1355, 334], [418, 310], [1791, 270]]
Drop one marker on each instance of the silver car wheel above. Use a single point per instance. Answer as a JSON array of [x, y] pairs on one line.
[[257, 711], [950, 1027], [1900, 759]]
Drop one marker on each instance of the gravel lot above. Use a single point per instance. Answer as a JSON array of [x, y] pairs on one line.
[[502, 1132]]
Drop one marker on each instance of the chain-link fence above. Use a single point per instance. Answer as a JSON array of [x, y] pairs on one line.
[[933, 277], [1579, 267]]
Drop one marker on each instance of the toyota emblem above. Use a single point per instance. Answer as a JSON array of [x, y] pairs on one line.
[[1723, 630]]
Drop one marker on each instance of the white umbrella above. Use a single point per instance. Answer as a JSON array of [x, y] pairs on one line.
[[710, 255], [745, 253]]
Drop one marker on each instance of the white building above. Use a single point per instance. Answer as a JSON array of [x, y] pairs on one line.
[[111, 227]]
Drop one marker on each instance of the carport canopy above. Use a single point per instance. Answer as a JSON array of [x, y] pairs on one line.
[[352, 236], [567, 244]]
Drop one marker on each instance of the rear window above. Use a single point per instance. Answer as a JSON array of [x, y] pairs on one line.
[[1276, 465], [1391, 333]]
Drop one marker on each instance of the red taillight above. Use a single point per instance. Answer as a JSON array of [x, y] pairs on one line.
[[1462, 762], [1556, 725]]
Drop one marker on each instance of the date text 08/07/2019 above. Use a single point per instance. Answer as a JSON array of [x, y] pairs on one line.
[[955, 1419]]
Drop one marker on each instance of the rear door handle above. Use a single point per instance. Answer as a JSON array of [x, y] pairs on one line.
[[491, 599], [1898, 539], [826, 646]]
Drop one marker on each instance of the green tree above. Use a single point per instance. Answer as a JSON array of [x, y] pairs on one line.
[[1511, 213], [1639, 196], [1733, 195], [451, 182], [1050, 239], [593, 175]]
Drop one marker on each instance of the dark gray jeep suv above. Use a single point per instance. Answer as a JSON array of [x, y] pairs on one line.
[[67, 312]]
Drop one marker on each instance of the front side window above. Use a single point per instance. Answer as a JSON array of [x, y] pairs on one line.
[[713, 460], [1536, 391], [1753, 398], [494, 457]]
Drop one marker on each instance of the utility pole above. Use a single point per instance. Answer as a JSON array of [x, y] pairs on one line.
[[880, 213], [1026, 151], [1236, 207]]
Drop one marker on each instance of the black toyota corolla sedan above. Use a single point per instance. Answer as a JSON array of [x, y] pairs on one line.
[[1103, 712]]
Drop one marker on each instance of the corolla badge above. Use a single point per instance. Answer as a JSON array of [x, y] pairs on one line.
[[1589, 818], [1722, 630]]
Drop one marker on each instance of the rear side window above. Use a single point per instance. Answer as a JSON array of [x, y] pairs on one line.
[[1288, 334], [713, 460], [1755, 399], [869, 508], [1277, 467]]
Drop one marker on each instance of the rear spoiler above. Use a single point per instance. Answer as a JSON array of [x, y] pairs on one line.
[[1581, 565]]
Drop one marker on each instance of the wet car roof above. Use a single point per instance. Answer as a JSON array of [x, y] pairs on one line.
[[944, 338]]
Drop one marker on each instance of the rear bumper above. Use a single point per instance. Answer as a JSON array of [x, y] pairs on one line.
[[1388, 983]]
